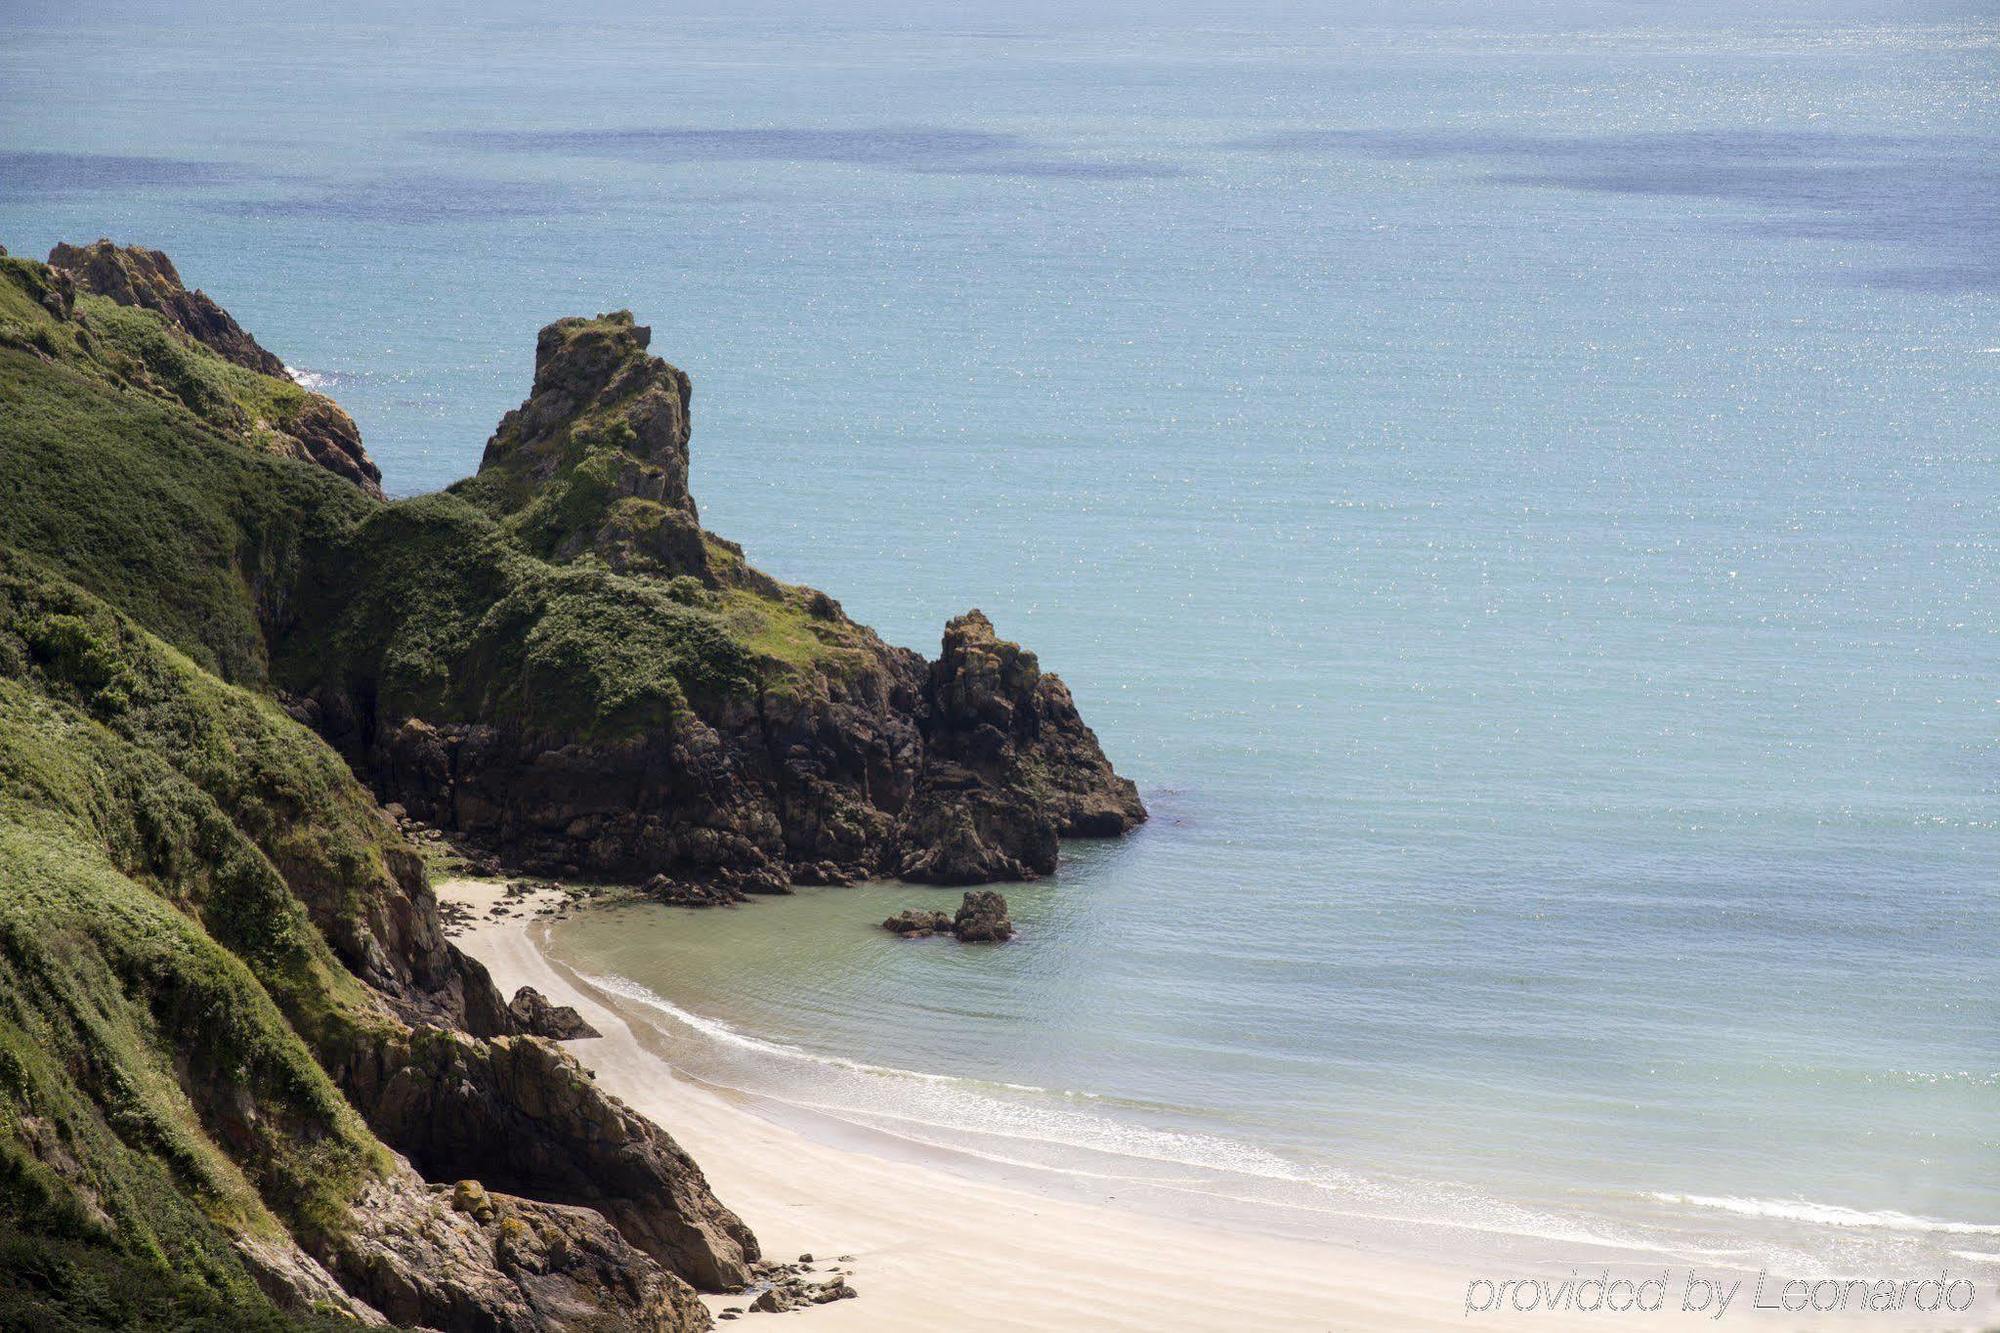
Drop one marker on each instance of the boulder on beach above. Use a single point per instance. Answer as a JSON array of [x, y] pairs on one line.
[[534, 1015]]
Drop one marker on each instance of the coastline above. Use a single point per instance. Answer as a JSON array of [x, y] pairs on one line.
[[934, 1248]]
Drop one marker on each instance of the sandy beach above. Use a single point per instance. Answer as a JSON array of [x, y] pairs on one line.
[[933, 1249]]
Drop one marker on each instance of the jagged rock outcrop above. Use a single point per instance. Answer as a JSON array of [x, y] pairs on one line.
[[321, 432], [524, 1117], [596, 459], [625, 696], [304, 425], [536, 1017], [460, 1259], [131, 275], [1009, 767]]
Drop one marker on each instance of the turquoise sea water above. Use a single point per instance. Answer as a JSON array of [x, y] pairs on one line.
[[1517, 487]]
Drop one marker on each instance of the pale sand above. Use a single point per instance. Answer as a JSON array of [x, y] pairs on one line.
[[933, 1249]]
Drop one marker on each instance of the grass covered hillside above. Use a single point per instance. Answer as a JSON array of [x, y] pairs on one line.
[[244, 1080], [137, 462], [223, 985], [552, 658]]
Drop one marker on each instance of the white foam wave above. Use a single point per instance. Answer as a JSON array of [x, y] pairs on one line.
[[318, 381], [977, 1118], [1829, 1214], [710, 1027], [948, 1105]]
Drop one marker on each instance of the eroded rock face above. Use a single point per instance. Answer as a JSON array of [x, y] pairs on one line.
[[1009, 767], [324, 434], [131, 275], [535, 1016], [599, 451], [524, 1117], [461, 1259], [318, 432]]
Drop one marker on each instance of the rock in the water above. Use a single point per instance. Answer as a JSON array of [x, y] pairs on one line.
[[711, 891], [982, 918], [915, 923], [538, 1018]]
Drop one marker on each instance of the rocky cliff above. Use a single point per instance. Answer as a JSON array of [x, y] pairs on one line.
[[234, 1041], [556, 660], [245, 1081]]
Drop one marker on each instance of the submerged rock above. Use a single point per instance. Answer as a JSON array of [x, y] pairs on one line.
[[534, 1015], [915, 923]]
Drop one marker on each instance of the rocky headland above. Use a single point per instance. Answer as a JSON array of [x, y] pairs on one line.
[[245, 1079], [554, 660]]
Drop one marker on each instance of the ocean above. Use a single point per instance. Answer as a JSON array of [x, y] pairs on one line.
[[1516, 486]]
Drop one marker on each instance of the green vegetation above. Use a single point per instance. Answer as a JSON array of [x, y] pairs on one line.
[[69, 1284], [431, 607], [123, 463], [167, 844], [191, 882], [136, 499]]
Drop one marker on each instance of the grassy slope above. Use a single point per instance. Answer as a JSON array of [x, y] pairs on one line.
[[175, 852], [446, 617], [161, 510], [156, 970]]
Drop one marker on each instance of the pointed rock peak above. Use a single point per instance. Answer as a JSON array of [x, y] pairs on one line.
[[979, 674], [596, 459], [131, 275]]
